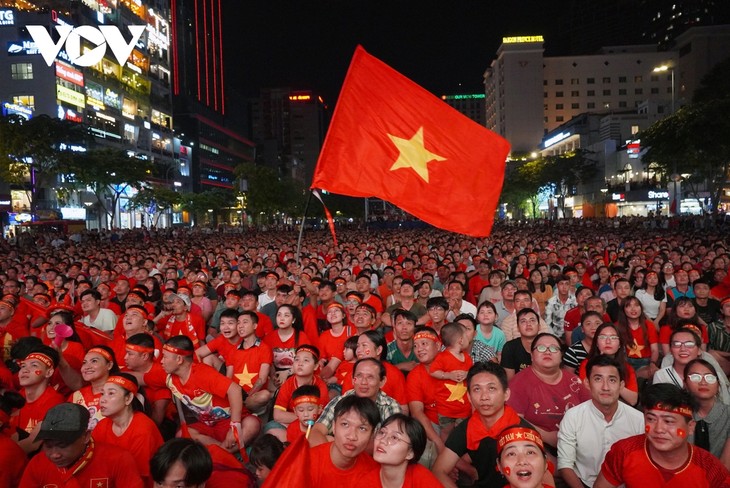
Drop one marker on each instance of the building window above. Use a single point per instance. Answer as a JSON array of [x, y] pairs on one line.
[[591, 81], [655, 91], [634, 129], [638, 79], [27, 100], [544, 82], [591, 105], [622, 91], [558, 82], [575, 93], [654, 78], [575, 106], [607, 79], [559, 118], [638, 91], [622, 79], [544, 94], [606, 93], [575, 81], [559, 94], [622, 104], [21, 71], [558, 106], [591, 93]]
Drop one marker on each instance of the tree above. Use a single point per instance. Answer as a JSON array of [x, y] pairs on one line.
[[108, 173], [155, 200], [34, 150], [268, 193], [695, 140], [213, 200], [522, 183]]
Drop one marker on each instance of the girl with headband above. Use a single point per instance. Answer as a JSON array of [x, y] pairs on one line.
[[98, 364]]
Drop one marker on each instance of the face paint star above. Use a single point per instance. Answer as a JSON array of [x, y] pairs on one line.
[[413, 154], [457, 392]]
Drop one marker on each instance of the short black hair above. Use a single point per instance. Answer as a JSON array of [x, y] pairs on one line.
[[230, 313], [604, 360], [95, 294], [487, 367], [364, 407], [265, 451], [380, 364], [437, 302], [411, 428], [306, 390], [667, 394], [406, 314], [451, 332], [142, 339], [184, 343], [191, 454]]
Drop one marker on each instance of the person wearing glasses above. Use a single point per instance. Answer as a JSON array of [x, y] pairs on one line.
[[544, 391], [399, 443], [712, 417], [685, 346]]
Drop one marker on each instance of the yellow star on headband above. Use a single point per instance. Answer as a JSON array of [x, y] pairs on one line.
[[457, 392], [519, 435], [244, 377], [413, 154]]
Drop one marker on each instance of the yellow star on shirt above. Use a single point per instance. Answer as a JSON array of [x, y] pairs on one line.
[[413, 154], [244, 377], [457, 392], [635, 350]]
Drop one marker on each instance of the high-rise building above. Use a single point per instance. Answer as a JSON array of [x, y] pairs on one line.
[[668, 20], [125, 103], [289, 127], [199, 96], [470, 104]]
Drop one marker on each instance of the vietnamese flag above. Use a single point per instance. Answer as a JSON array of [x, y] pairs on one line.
[[392, 139]]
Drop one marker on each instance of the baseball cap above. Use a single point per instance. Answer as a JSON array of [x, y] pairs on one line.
[[508, 282], [184, 298], [65, 422]]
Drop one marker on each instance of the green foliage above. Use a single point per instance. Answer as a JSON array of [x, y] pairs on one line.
[[158, 197], [695, 140], [269, 193]]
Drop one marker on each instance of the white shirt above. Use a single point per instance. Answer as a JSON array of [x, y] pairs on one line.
[[585, 437], [264, 299], [106, 320], [466, 307]]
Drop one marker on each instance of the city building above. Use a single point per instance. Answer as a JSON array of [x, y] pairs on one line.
[[126, 103], [289, 128], [469, 104], [668, 20]]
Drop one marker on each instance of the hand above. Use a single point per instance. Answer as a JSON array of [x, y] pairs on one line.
[[229, 443]]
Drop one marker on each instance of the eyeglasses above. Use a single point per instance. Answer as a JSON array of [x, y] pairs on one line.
[[608, 337], [543, 348], [389, 438], [711, 379], [686, 344]]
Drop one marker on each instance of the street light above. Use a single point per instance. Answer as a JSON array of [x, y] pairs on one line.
[[663, 68]]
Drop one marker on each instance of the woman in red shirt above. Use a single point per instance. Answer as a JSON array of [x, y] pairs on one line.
[[98, 364], [124, 425], [284, 341], [640, 336]]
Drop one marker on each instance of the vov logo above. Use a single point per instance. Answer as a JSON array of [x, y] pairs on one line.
[[101, 36]]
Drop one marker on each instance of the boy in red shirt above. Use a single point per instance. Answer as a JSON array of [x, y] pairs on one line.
[[451, 366], [307, 407], [249, 364], [218, 350]]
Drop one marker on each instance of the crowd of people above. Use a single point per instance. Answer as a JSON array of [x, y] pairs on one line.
[[586, 353]]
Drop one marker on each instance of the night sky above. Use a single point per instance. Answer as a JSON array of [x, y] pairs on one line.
[[445, 46]]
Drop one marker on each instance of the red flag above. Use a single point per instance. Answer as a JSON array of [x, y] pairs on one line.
[[292, 468], [392, 139], [330, 220]]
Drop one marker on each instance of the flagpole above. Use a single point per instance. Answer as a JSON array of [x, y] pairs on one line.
[[301, 228]]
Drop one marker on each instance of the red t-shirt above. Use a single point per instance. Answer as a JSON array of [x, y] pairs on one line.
[[284, 350], [572, 319], [451, 398], [628, 463], [86, 397], [630, 380], [205, 393], [544, 405], [665, 333], [375, 302], [324, 474], [309, 319], [223, 347], [141, 439], [638, 347], [283, 399], [12, 462], [32, 413], [193, 327], [247, 363], [109, 467], [417, 476], [421, 387], [331, 346], [476, 283], [294, 431], [344, 373], [264, 326]]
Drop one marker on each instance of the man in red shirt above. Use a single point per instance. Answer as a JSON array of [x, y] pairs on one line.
[[181, 321], [34, 377], [663, 456], [72, 458], [139, 358]]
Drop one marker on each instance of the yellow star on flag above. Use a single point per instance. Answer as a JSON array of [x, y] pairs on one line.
[[244, 377], [457, 390], [413, 154]]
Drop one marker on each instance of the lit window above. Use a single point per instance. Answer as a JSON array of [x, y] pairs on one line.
[[21, 71]]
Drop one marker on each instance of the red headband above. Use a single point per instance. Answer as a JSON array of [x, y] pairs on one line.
[[140, 349], [304, 399], [425, 335], [101, 352], [310, 351], [177, 350], [40, 357], [516, 434], [124, 383], [682, 410]]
